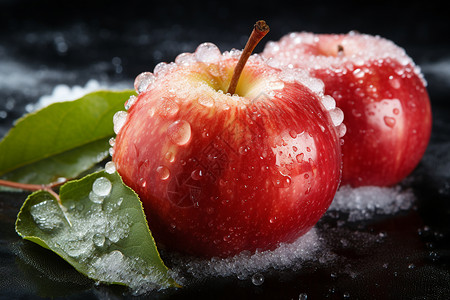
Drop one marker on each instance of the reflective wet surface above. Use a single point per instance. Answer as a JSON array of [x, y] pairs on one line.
[[364, 253]]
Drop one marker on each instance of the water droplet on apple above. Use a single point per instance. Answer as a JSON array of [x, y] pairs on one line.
[[119, 120], [112, 142], [179, 132], [394, 82], [197, 174], [160, 69], [143, 81], [341, 129], [169, 156], [299, 157], [207, 53], [358, 73], [293, 134], [206, 101], [163, 172], [389, 121], [328, 102], [130, 102], [396, 111], [337, 116], [243, 150], [185, 59]]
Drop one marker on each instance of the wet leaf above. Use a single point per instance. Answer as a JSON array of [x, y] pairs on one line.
[[61, 140], [100, 229]]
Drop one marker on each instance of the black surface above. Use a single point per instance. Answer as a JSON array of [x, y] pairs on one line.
[[45, 43]]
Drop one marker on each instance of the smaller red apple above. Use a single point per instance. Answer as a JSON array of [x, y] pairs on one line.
[[381, 92], [218, 172]]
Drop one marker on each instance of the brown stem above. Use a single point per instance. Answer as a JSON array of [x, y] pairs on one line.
[[22, 186], [259, 31], [340, 49], [34, 187], [31, 187]]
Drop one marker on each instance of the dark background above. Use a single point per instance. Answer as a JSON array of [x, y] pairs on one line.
[[45, 43]]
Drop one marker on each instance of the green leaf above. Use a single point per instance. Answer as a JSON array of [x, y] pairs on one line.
[[104, 237], [61, 140]]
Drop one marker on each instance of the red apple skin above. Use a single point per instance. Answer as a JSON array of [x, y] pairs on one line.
[[249, 177], [386, 109]]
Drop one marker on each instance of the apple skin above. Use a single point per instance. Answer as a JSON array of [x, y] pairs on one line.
[[383, 97], [243, 173]]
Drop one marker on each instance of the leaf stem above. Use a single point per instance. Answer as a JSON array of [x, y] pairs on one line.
[[32, 187], [38, 187], [259, 31]]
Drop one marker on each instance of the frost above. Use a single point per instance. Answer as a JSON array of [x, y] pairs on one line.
[[47, 215], [364, 202]]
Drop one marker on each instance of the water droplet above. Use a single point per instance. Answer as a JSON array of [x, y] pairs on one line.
[[160, 69], [206, 101], [207, 53], [96, 198], [342, 129], [243, 150], [119, 120], [130, 102], [143, 81], [293, 134], [197, 174], [337, 116], [179, 132], [163, 172], [396, 111], [257, 279], [299, 157], [170, 157], [110, 167], [358, 73], [389, 121], [394, 82], [46, 215], [102, 186], [112, 141], [113, 204], [167, 108], [303, 296], [185, 59], [328, 102], [98, 239]]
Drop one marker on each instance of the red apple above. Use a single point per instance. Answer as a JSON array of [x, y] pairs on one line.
[[220, 173], [381, 92]]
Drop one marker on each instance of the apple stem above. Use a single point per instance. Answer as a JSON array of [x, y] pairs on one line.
[[259, 31], [340, 49]]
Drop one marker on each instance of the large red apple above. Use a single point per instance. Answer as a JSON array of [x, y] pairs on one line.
[[220, 173], [381, 92]]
